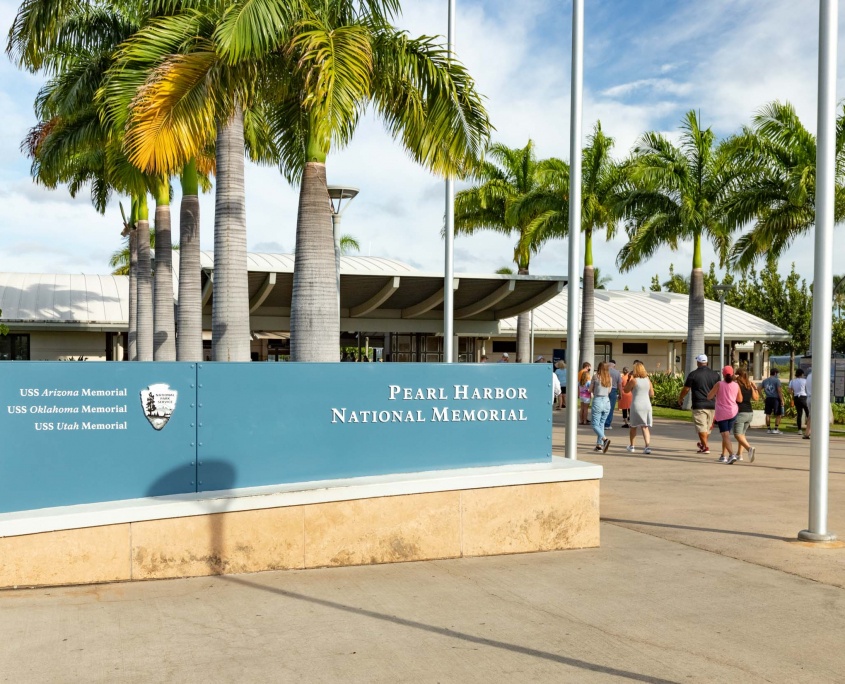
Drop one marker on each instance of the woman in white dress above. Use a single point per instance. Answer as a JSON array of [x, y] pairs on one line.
[[641, 389]]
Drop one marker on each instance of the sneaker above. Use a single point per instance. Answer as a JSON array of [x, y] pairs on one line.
[[703, 450], [751, 453], [630, 449], [605, 445], [699, 445], [733, 458], [769, 430], [647, 450], [722, 459], [598, 447], [608, 427], [776, 431]]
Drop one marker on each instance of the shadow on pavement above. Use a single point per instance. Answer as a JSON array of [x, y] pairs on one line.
[[452, 634], [697, 529]]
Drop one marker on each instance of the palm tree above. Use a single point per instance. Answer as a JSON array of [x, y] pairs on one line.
[[348, 244], [506, 177], [311, 69], [75, 43], [601, 281], [838, 294], [776, 158], [675, 195], [602, 181]]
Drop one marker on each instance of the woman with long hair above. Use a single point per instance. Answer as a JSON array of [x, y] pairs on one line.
[[641, 391], [746, 413], [600, 389], [584, 392], [625, 398], [728, 395]]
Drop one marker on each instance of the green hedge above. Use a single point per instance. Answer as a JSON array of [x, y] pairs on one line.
[[667, 389]]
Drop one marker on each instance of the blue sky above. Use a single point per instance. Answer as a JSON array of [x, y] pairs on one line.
[[647, 62]]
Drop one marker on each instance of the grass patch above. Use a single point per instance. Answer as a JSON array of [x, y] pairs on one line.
[[680, 414], [675, 414]]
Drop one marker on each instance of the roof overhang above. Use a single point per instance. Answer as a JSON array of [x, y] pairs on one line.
[[379, 295]]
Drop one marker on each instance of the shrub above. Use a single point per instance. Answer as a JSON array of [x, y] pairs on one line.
[[667, 389]]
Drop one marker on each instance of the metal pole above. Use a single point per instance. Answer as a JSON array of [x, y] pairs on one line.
[[448, 292], [722, 331], [823, 275], [573, 291]]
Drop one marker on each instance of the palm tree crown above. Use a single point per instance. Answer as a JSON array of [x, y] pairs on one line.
[[674, 195]]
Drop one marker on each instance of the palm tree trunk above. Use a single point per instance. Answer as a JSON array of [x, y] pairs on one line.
[[314, 321], [587, 348], [523, 332], [230, 332], [164, 337], [189, 339], [695, 318], [133, 294], [145, 294]]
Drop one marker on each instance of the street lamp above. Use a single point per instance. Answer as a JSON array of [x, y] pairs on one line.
[[337, 195], [722, 289]]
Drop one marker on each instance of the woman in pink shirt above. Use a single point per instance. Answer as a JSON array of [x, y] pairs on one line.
[[728, 395]]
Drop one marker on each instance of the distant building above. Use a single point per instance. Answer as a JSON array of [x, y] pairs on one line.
[[388, 308]]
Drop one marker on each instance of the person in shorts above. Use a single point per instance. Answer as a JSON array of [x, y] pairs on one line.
[[699, 382], [773, 393], [746, 413], [727, 395]]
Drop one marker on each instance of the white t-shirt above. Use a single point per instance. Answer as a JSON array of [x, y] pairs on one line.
[[555, 385], [808, 384], [798, 387]]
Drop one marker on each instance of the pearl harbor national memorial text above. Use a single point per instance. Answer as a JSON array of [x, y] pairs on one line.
[[131, 471]]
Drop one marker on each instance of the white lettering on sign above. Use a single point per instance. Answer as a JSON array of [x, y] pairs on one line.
[[440, 414]]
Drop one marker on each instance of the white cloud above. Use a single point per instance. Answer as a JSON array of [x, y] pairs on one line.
[[737, 55]]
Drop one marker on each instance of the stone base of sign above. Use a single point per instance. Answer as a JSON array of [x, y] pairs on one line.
[[386, 529]]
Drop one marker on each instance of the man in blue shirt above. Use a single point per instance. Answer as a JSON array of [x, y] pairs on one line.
[[774, 401]]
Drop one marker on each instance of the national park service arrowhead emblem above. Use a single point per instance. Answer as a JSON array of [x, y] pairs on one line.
[[158, 402]]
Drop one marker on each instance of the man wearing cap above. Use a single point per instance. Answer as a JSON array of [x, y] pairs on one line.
[[773, 392], [505, 358], [700, 382]]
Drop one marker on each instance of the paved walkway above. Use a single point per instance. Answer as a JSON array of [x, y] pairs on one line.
[[697, 580]]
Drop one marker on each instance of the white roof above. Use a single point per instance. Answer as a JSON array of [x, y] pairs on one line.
[[258, 262], [65, 301], [648, 315]]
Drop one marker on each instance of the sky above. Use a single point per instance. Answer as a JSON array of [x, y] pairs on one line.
[[646, 63]]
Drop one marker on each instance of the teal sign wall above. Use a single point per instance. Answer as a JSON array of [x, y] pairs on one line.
[[75, 433]]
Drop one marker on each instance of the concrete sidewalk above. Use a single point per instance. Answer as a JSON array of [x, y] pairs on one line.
[[695, 581]]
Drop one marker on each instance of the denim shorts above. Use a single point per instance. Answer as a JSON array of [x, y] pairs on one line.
[[726, 425]]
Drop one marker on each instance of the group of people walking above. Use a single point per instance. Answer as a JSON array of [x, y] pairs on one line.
[[599, 393], [722, 400]]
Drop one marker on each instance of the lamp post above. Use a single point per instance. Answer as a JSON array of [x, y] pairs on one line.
[[722, 289], [337, 195]]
